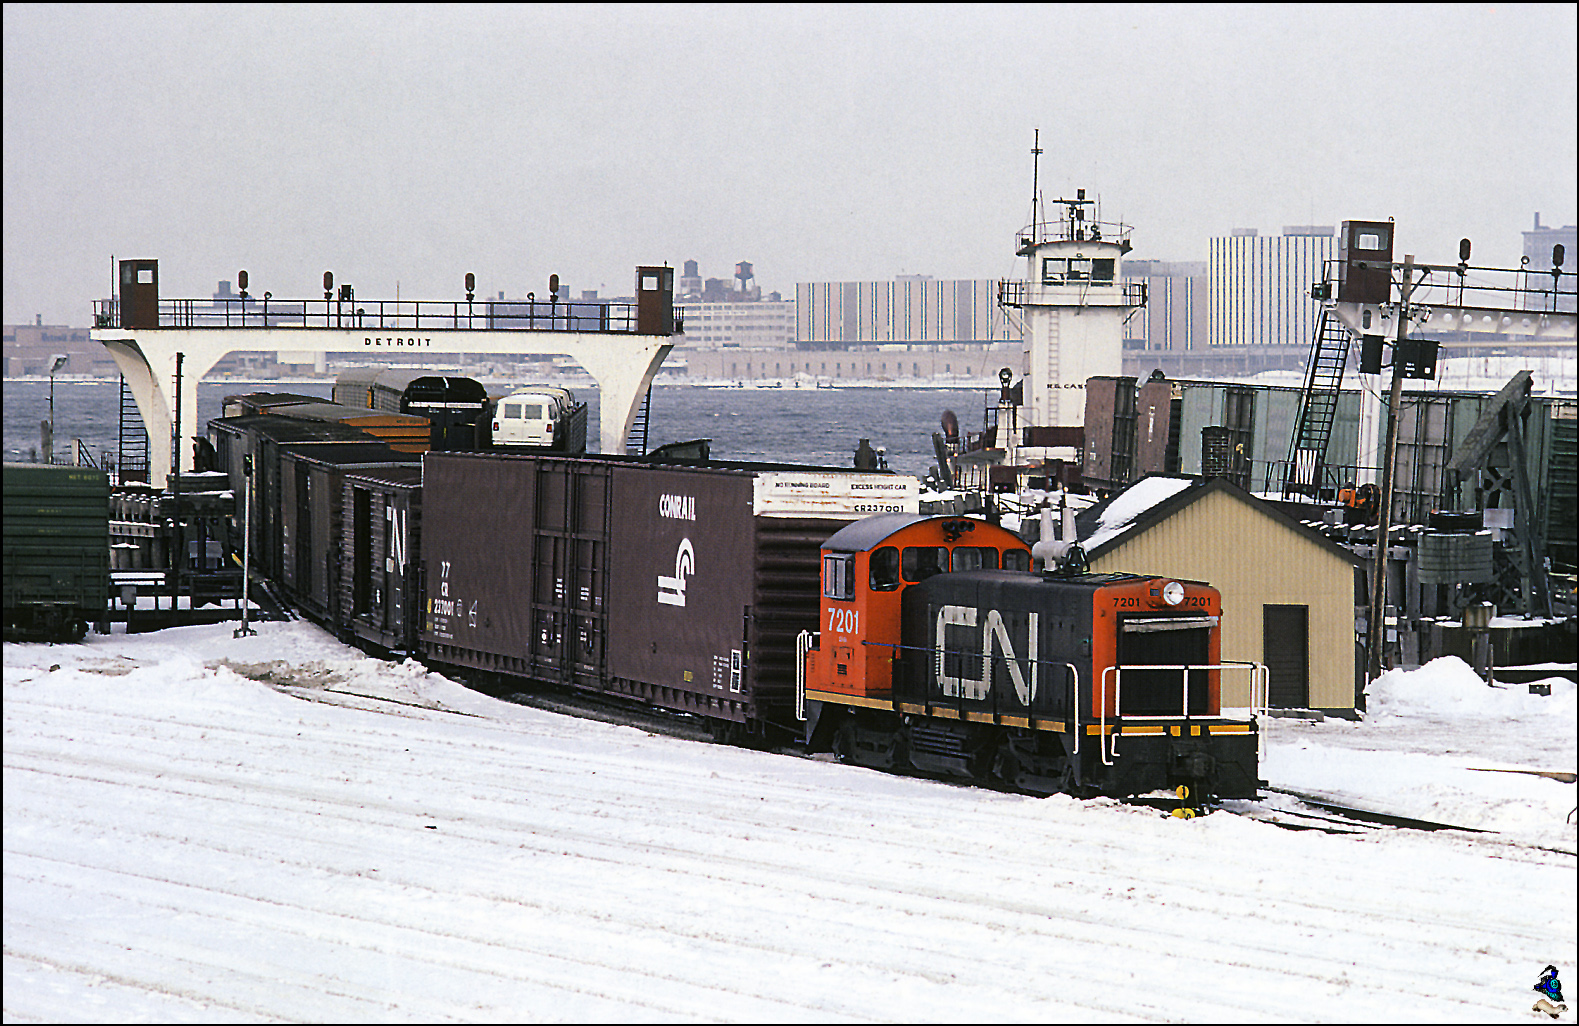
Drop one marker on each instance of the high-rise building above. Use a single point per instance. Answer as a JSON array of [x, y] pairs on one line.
[[1258, 286], [913, 308], [1174, 317]]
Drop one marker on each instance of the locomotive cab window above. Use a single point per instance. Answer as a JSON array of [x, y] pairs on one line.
[[838, 576], [1017, 559], [885, 569], [970, 557], [921, 562]]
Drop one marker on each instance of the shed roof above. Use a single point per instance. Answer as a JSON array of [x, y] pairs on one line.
[[1154, 498]]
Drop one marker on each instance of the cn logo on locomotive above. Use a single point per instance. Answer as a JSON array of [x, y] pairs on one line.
[[993, 632]]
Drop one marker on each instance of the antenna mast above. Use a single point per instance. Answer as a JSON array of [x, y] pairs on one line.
[[1036, 156]]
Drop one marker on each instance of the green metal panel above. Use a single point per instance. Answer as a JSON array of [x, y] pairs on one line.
[[1202, 407], [56, 537]]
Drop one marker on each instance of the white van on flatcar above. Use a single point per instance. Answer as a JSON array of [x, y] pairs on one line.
[[540, 417]]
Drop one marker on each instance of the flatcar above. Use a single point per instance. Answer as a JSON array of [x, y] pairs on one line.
[[543, 417], [939, 652], [404, 432]]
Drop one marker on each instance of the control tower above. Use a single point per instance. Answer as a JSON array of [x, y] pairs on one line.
[[1074, 304]]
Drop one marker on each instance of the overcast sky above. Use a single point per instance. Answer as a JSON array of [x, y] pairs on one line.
[[415, 144]]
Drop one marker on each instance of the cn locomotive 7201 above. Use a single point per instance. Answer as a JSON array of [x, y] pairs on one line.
[[937, 651]]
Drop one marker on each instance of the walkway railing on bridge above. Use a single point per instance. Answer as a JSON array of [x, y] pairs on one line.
[[383, 315]]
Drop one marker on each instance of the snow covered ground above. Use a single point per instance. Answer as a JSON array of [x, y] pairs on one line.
[[188, 839]]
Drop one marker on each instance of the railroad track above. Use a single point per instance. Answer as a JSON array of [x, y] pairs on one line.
[[1281, 807]]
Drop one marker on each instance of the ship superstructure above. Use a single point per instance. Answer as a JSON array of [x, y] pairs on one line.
[[1073, 302]]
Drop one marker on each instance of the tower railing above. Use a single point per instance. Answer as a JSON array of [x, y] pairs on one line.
[[384, 315]]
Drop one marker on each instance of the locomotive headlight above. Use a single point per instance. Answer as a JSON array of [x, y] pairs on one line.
[[1173, 593]]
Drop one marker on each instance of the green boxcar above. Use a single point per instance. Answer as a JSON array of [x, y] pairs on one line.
[[57, 550]]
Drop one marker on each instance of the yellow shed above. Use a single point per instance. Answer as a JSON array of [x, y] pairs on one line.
[[1288, 593]]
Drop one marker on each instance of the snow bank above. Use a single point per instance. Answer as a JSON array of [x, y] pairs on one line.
[[1450, 687]]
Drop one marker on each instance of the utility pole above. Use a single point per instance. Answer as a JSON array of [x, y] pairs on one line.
[[1376, 629]]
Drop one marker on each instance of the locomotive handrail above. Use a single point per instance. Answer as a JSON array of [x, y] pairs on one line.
[[803, 642], [1259, 683], [1074, 704]]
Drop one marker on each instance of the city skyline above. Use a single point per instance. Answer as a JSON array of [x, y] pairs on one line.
[[402, 146]]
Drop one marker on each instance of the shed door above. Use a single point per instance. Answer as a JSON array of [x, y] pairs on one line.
[[1285, 648]]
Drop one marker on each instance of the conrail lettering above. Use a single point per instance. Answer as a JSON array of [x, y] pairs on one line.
[[677, 507], [380, 341]]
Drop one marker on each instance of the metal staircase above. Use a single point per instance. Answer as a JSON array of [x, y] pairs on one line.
[[636, 443], [1317, 406], [132, 462]]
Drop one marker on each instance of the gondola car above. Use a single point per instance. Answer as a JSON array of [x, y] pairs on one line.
[[938, 652]]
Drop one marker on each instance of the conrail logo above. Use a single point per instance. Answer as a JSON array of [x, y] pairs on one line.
[[677, 507], [993, 634], [671, 590]]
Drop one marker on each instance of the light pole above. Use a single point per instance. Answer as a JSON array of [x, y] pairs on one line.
[[56, 362]]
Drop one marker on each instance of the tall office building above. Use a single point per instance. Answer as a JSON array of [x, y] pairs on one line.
[[1258, 286], [1174, 317], [910, 309]]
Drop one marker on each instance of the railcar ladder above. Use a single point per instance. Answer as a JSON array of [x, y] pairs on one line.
[[1318, 405], [132, 461], [636, 444]]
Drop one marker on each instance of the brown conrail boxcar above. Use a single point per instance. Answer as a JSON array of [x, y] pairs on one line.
[[683, 587]]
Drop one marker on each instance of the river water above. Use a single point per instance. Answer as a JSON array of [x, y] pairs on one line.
[[812, 426]]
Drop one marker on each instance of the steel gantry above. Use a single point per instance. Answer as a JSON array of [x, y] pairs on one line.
[[620, 345]]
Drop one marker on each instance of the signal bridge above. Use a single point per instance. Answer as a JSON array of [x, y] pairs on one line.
[[164, 346]]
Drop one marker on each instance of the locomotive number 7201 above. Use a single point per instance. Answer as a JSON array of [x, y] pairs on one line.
[[844, 621]]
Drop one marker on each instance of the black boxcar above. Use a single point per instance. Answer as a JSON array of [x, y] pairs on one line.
[[380, 560], [263, 437], [683, 587], [57, 550], [311, 507]]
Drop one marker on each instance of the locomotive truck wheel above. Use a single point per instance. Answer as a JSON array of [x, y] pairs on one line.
[[844, 742]]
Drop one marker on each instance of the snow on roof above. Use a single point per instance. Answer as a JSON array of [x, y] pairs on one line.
[[1131, 504]]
